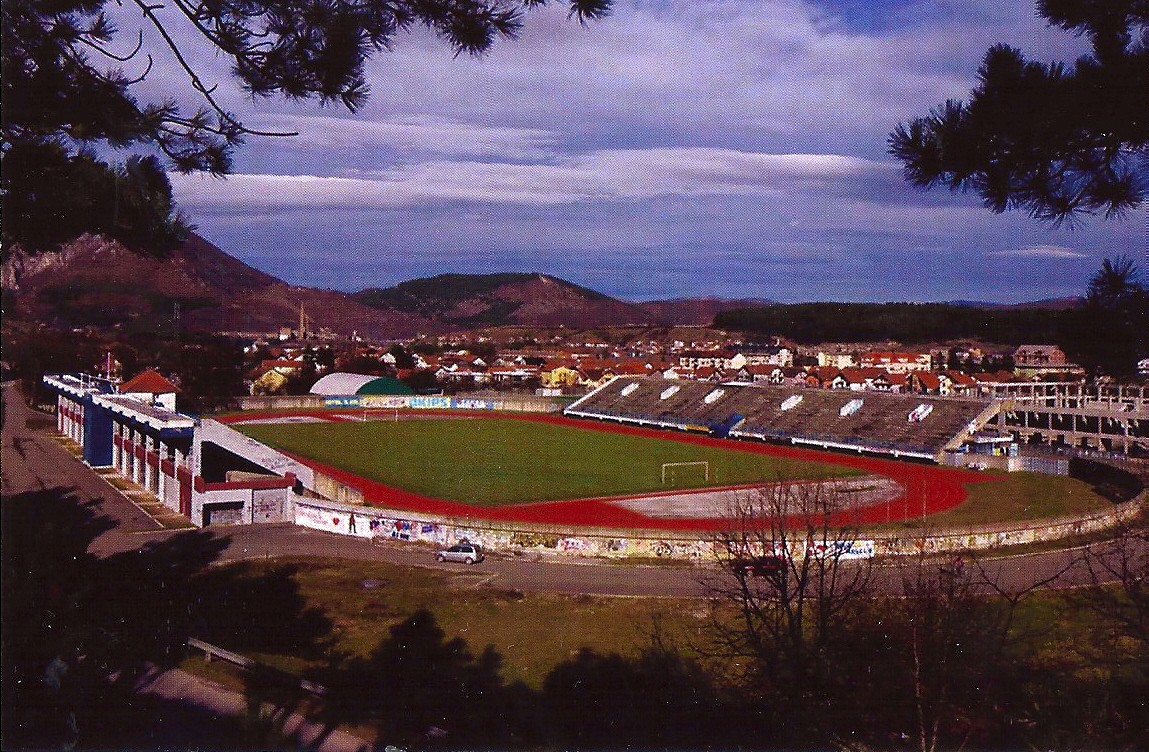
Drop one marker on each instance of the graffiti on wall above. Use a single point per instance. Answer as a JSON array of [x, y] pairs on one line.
[[267, 506], [463, 403], [406, 530], [319, 518], [383, 402], [377, 524], [669, 549], [861, 549], [528, 539], [439, 403]]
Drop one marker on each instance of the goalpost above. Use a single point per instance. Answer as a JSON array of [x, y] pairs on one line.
[[672, 467]]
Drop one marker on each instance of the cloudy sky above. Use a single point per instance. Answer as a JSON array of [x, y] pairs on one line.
[[679, 148]]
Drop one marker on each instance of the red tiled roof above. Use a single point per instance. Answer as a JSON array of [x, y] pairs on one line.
[[630, 368], [996, 377], [928, 380], [267, 365], [961, 379], [148, 382]]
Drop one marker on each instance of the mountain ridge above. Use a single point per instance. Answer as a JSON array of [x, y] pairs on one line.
[[506, 298], [93, 281]]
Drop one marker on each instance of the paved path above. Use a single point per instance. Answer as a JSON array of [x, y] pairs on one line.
[[188, 689]]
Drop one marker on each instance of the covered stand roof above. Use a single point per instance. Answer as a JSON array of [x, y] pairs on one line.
[[341, 384]]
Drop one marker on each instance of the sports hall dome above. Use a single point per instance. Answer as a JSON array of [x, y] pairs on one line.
[[341, 384]]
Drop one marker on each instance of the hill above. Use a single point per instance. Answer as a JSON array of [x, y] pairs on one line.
[[467, 300], [694, 311], [93, 281]]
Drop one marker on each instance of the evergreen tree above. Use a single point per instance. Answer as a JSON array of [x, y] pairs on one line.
[[1111, 333], [66, 90], [1056, 141], [51, 196]]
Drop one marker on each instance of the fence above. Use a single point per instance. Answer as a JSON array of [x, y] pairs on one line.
[[300, 402], [247, 664], [475, 401]]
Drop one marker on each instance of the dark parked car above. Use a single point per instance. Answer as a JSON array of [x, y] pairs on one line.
[[759, 566], [467, 553]]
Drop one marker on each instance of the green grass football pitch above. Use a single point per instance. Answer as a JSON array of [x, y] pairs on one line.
[[494, 461]]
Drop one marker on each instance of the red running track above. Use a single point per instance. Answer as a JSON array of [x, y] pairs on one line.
[[928, 489]]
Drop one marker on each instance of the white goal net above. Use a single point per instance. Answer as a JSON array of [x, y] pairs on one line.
[[676, 472]]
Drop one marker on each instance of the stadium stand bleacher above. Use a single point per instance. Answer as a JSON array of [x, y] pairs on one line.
[[884, 423]]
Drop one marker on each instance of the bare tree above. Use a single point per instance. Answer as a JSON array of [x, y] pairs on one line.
[[1118, 645], [1119, 571], [795, 596], [949, 633], [960, 665]]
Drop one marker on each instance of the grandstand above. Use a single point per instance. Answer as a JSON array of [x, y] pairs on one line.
[[908, 425]]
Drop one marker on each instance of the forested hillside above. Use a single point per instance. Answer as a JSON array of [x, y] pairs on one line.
[[909, 323]]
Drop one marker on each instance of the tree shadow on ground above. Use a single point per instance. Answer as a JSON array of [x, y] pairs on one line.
[[83, 633], [658, 700], [419, 689], [252, 608]]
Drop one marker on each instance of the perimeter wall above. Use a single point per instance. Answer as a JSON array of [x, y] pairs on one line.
[[476, 401], [375, 523]]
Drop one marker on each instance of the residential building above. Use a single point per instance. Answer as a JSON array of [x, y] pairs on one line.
[[897, 362], [1044, 362]]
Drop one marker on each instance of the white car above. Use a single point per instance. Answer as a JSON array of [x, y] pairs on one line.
[[467, 553]]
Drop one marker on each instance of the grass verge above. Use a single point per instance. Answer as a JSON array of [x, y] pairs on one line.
[[1018, 498], [361, 601]]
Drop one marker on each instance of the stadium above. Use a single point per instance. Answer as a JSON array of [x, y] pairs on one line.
[[642, 454]]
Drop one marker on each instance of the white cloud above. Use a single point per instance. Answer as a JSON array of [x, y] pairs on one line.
[[672, 131], [605, 175], [1042, 251], [718, 73], [407, 136], [770, 75]]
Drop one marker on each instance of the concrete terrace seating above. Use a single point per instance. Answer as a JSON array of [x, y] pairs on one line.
[[881, 424]]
